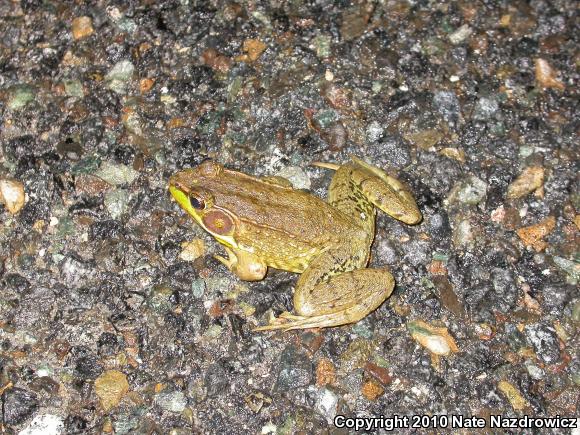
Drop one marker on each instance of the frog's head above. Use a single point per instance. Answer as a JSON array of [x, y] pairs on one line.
[[195, 190]]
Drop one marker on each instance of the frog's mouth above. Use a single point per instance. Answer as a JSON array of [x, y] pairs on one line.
[[180, 196]]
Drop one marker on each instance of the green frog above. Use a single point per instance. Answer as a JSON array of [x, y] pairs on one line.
[[264, 222]]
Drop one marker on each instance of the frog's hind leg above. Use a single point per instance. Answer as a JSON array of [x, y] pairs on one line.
[[358, 187], [385, 192], [347, 298], [330, 293]]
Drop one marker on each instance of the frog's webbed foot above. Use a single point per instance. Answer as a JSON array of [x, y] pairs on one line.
[[280, 322], [287, 321]]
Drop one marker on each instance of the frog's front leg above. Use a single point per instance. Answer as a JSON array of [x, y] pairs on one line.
[[330, 293], [246, 265]]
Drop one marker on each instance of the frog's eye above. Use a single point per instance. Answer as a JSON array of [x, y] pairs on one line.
[[196, 202]]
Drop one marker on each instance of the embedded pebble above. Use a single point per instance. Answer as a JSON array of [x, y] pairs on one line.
[[533, 235], [515, 398], [374, 131], [82, 27], [296, 175], [116, 202], [546, 75], [12, 194], [437, 340], [111, 387], [116, 174], [461, 34], [20, 97], [447, 104], [545, 342], [44, 424], [372, 390], [571, 268], [471, 191], [326, 402], [172, 401], [325, 372], [254, 49], [192, 250], [486, 109], [530, 179], [118, 77], [295, 369]]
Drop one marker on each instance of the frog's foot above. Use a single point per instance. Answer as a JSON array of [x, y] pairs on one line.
[[287, 321], [280, 322]]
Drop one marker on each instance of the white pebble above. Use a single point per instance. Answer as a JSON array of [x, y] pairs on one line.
[[12, 194]]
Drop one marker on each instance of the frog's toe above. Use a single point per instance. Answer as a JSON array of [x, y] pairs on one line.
[[225, 261], [272, 326], [291, 317], [280, 322], [350, 315], [345, 317]]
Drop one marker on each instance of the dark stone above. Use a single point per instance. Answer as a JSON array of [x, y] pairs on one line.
[[70, 150], [108, 344], [181, 274], [109, 229], [124, 155], [447, 104], [216, 379], [557, 295], [514, 337], [170, 250], [294, 370], [186, 152], [394, 151], [45, 384], [20, 147], [18, 405], [17, 283], [439, 226], [505, 288], [32, 211], [86, 364], [74, 424]]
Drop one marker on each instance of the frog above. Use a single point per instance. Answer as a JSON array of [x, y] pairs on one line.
[[264, 222]]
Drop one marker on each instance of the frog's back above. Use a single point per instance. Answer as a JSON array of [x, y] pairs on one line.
[[285, 227], [268, 206]]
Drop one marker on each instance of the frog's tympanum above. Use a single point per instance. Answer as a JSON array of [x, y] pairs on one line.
[[264, 222]]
